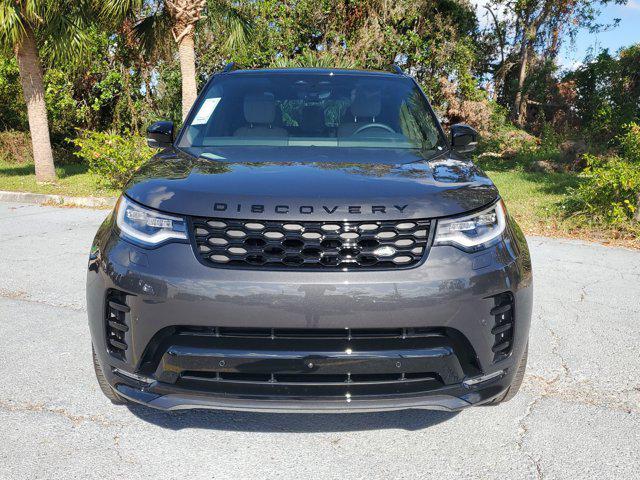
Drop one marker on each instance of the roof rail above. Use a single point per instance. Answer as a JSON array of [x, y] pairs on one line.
[[396, 69], [229, 67]]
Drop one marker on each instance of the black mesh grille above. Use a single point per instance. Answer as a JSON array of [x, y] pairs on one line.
[[310, 245]]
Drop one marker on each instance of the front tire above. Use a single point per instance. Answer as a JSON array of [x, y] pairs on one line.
[[109, 392], [516, 383]]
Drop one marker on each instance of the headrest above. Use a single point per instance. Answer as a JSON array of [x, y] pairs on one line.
[[366, 104], [312, 118], [260, 108]]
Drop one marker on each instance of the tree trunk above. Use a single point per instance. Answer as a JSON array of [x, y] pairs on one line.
[[519, 115], [530, 29], [555, 41], [33, 91], [126, 84], [186, 52], [499, 33]]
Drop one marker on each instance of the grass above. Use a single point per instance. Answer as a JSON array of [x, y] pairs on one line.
[[535, 200], [73, 180]]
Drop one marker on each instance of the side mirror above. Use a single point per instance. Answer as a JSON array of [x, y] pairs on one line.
[[464, 139], [160, 135]]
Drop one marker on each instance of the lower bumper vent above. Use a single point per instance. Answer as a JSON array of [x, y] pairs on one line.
[[503, 328], [117, 324], [309, 378]]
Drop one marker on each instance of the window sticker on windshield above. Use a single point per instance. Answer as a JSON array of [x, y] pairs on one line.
[[207, 108]]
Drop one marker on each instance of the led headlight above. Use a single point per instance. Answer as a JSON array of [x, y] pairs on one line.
[[146, 227], [474, 231]]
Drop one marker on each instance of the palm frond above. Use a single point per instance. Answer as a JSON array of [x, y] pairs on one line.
[[117, 10], [33, 10], [12, 24], [233, 21], [65, 38], [154, 32], [313, 59]]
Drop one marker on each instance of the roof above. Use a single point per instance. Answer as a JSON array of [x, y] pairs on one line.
[[317, 71]]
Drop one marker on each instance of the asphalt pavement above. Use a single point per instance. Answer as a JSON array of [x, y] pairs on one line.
[[577, 415]]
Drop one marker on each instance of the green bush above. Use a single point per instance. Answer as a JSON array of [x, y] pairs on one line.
[[112, 157], [550, 141], [64, 111], [507, 148], [507, 141], [13, 111], [605, 94], [630, 142], [611, 191], [15, 147]]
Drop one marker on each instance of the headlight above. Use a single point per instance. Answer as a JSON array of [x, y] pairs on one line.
[[147, 227], [474, 231]]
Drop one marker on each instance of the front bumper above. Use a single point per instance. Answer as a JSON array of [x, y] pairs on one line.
[[167, 290], [454, 399]]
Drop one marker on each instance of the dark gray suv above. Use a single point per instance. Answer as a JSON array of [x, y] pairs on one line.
[[310, 240]]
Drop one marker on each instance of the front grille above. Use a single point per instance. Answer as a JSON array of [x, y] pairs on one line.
[[502, 330], [117, 324], [310, 245]]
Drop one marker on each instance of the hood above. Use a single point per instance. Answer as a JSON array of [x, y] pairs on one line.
[[311, 183]]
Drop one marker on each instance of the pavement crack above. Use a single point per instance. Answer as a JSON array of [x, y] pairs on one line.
[[555, 348], [116, 445], [13, 294], [22, 296], [41, 408], [119, 451], [548, 386], [523, 430]]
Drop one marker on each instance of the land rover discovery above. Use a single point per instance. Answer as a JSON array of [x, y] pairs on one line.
[[310, 241]]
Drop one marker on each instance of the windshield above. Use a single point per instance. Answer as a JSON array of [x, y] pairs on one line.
[[302, 109]]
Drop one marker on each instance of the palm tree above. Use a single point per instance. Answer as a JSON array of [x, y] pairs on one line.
[[185, 15], [179, 18], [30, 29]]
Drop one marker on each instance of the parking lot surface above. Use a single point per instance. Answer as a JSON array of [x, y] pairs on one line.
[[577, 415]]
